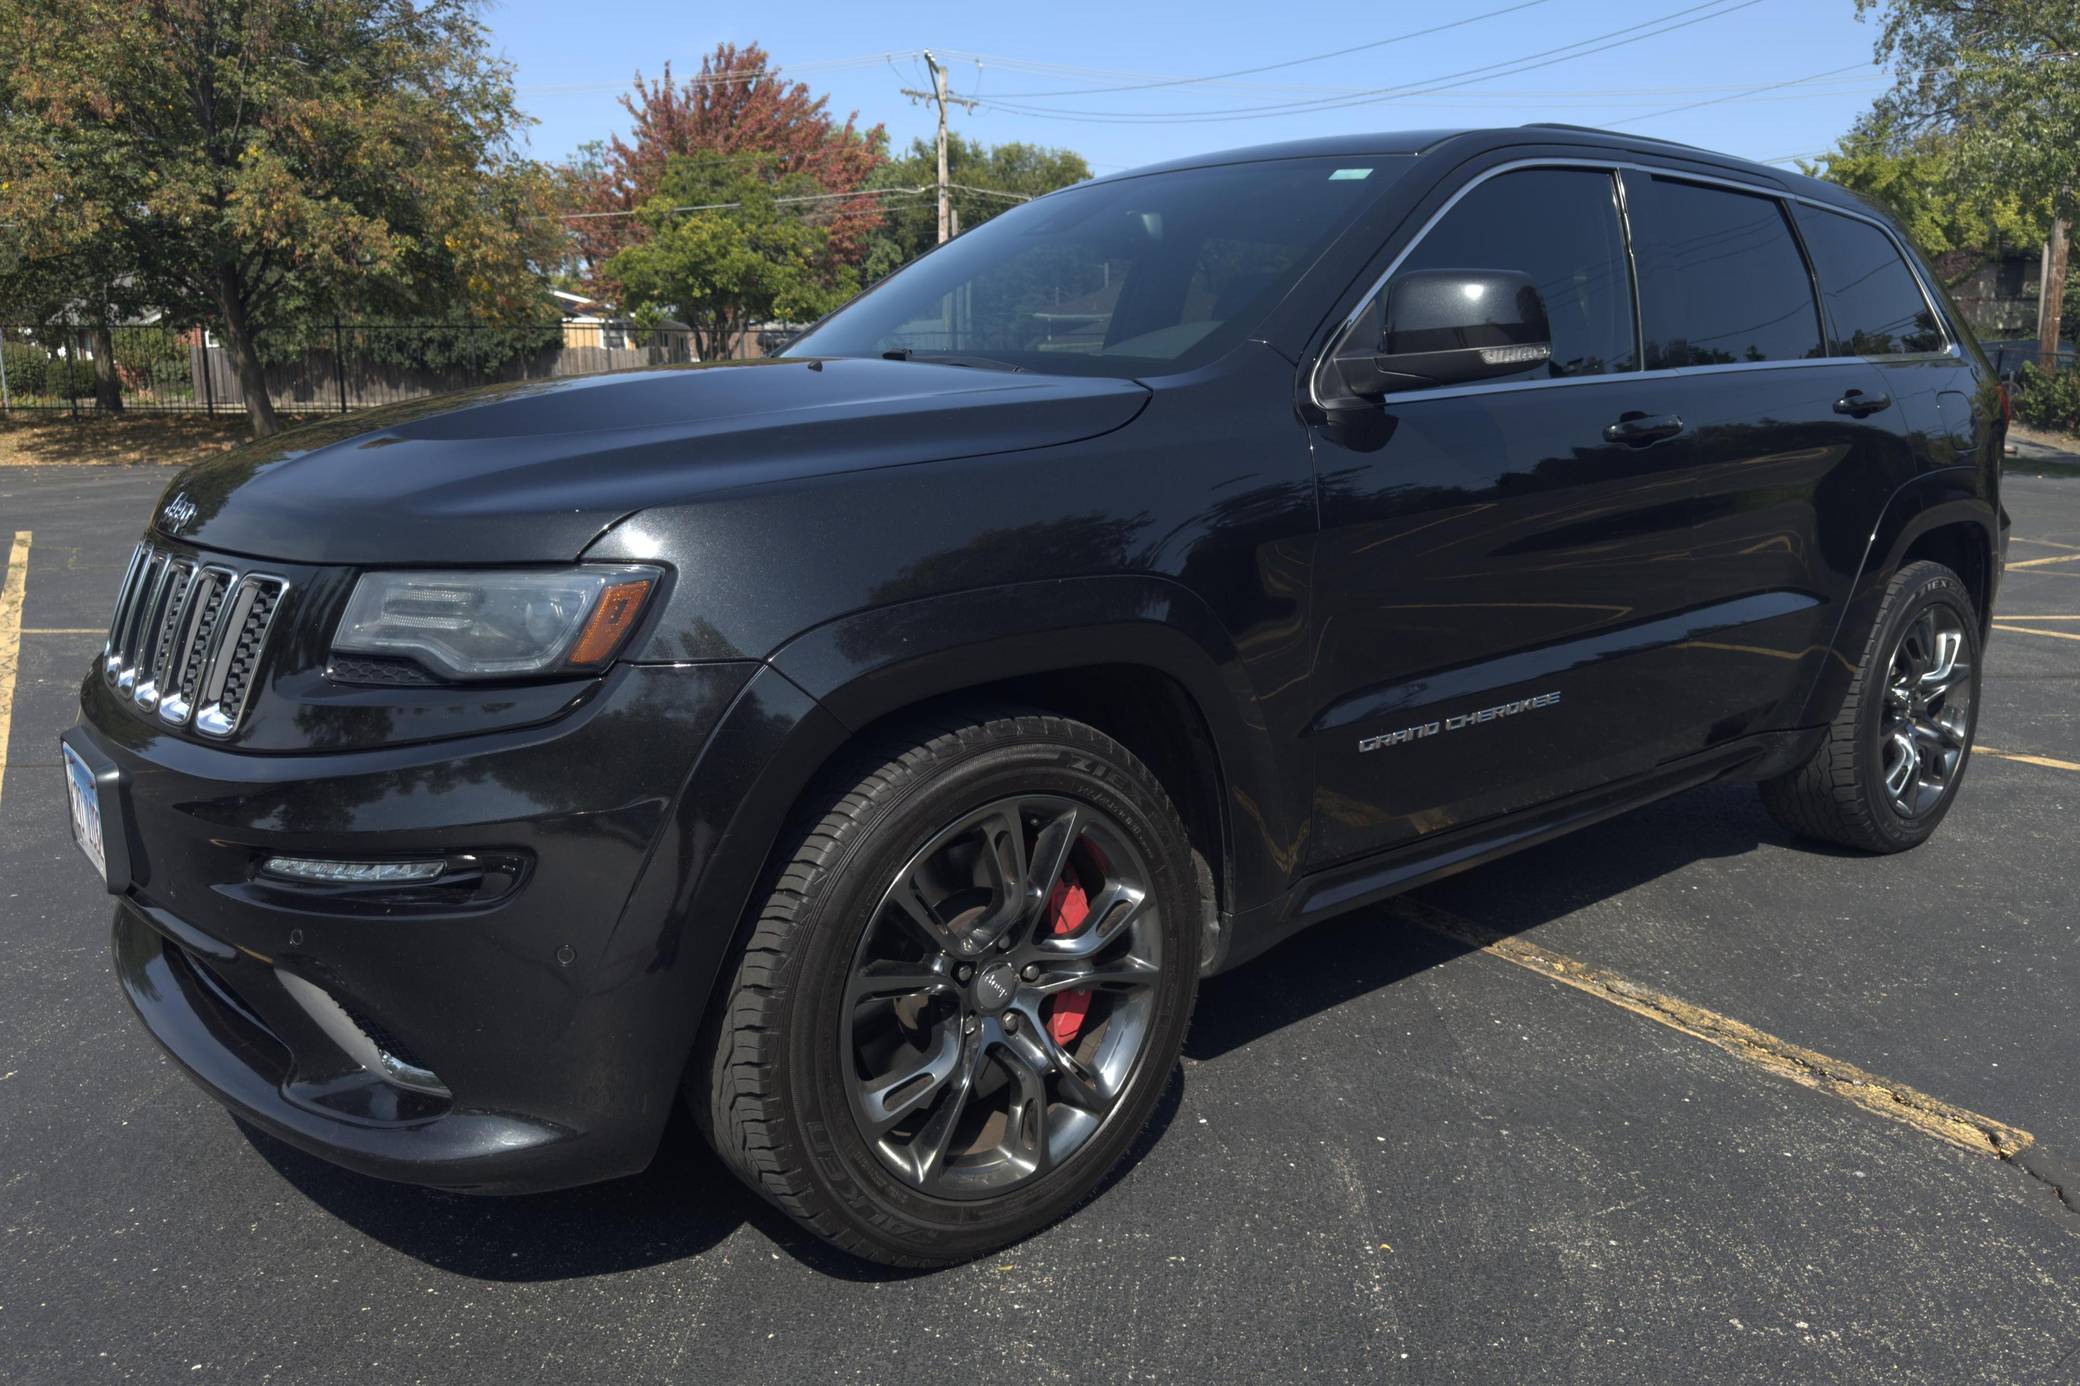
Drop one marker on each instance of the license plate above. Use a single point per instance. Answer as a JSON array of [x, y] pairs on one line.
[[85, 797]]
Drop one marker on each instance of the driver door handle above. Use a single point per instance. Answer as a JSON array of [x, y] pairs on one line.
[[1856, 404], [1639, 430]]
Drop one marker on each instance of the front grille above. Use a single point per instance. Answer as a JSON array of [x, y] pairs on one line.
[[186, 637]]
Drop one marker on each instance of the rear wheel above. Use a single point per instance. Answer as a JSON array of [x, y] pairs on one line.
[[963, 995], [1893, 759]]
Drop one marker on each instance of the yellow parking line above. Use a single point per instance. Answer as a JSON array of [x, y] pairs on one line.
[[63, 630], [2044, 543], [2040, 562], [1809, 1068], [12, 589], [2034, 616], [2026, 630], [2048, 762]]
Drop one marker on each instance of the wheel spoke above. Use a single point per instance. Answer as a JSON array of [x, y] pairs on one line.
[[886, 1100], [1004, 859], [1115, 908], [1901, 776], [1079, 1086], [1944, 672], [1026, 1138], [1051, 846], [928, 1151], [885, 979], [907, 899], [1127, 974]]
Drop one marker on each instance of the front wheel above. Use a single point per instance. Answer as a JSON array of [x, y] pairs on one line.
[[1890, 767], [963, 995]]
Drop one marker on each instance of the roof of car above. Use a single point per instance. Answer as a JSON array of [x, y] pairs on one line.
[[1471, 141]]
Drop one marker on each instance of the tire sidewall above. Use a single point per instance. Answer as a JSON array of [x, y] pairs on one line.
[[882, 841], [1935, 587]]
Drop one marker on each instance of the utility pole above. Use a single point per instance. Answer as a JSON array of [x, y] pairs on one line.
[[2051, 294], [939, 94]]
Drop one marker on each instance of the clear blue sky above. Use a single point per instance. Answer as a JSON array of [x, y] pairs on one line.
[[574, 57]]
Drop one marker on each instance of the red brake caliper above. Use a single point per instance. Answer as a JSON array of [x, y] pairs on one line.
[[1067, 909]]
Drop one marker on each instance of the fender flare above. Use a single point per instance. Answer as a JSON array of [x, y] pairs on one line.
[[1930, 501], [867, 665]]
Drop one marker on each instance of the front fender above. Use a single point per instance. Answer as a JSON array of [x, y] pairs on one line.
[[873, 663]]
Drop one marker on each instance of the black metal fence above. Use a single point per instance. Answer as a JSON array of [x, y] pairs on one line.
[[2014, 353], [323, 368]]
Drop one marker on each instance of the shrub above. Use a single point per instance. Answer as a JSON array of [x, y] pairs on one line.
[[27, 366], [2048, 399]]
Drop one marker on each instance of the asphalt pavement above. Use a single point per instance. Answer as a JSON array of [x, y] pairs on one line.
[[1387, 1156]]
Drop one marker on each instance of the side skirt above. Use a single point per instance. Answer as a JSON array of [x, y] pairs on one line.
[[1368, 880]]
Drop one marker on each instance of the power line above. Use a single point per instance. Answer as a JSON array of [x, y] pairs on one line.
[[1754, 91], [1616, 38], [1273, 67]]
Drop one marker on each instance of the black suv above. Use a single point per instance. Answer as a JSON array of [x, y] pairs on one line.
[[874, 745]]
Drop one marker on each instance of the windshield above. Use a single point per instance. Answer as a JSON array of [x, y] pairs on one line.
[[1139, 276]]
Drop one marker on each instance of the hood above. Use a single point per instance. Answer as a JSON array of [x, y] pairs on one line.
[[535, 471]]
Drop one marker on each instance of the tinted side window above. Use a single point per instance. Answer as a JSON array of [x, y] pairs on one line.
[[1720, 277], [1560, 226], [1874, 306]]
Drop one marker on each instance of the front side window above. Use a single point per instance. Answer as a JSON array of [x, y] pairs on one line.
[[1560, 226], [1874, 304], [1135, 276], [1721, 279]]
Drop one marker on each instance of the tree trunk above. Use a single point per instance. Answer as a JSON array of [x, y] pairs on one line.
[[245, 354], [108, 389], [2051, 295]]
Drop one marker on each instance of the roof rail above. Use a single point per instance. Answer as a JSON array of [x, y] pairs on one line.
[[1622, 135]]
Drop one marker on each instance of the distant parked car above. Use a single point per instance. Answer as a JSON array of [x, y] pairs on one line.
[[874, 747]]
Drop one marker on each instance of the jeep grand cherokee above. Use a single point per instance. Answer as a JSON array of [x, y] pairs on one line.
[[872, 747]]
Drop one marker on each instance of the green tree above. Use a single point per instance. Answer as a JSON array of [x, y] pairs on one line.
[[1915, 179], [1999, 82], [726, 246], [988, 179], [262, 160]]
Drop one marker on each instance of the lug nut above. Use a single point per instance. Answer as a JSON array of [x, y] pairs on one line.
[[968, 1025], [963, 973], [1032, 972], [1011, 1022], [1005, 943]]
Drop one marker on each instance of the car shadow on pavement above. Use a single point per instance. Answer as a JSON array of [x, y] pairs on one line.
[[1372, 948], [682, 1206]]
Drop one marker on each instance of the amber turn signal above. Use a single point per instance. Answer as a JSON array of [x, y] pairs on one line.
[[610, 621]]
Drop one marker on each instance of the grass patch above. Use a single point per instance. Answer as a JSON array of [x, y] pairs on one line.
[[140, 440]]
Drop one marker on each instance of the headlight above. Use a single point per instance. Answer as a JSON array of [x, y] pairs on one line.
[[494, 625]]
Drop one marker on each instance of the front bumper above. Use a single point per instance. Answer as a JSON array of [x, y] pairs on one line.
[[526, 1033]]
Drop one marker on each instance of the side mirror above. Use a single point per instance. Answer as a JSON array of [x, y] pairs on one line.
[[1447, 327]]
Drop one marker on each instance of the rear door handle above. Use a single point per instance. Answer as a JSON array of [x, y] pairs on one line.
[[1856, 404], [1638, 430]]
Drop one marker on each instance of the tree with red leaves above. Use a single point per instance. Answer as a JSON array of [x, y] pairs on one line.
[[738, 111]]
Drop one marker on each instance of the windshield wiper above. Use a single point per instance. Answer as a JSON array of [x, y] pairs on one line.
[[947, 358]]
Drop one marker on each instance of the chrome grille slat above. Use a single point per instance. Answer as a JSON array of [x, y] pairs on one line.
[[186, 637], [148, 592], [184, 671], [245, 625], [165, 619], [125, 596]]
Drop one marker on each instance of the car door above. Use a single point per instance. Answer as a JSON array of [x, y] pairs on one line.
[[1798, 440], [1503, 566]]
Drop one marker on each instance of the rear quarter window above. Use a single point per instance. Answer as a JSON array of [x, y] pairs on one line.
[[1875, 306], [1721, 277]]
